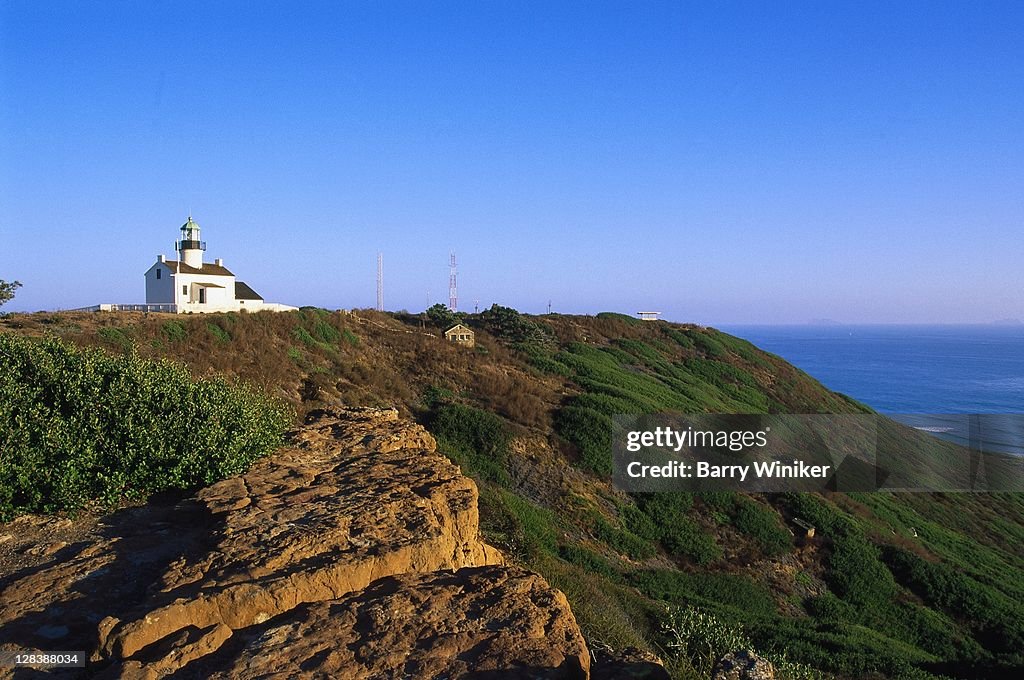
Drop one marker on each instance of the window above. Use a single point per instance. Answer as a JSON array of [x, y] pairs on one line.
[[158, 273], [184, 290]]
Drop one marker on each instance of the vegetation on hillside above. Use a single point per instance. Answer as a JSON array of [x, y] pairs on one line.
[[528, 415], [79, 426]]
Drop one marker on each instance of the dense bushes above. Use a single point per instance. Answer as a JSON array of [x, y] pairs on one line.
[[730, 590], [667, 516], [78, 425], [591, 433], [440, 316], [756, 520], [475, 439], [998, 620], [518, 525], [857, 575], [623, 541], [508, 325]]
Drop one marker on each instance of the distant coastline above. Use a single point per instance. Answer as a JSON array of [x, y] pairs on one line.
[[926, 376], [947, 368]]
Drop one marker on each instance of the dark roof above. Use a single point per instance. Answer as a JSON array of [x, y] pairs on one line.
[[208, 269], [244, 292]]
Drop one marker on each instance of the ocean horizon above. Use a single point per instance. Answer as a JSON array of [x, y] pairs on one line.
[[928, 376]]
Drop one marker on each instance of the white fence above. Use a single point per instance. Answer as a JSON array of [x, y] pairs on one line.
[[169, 308]]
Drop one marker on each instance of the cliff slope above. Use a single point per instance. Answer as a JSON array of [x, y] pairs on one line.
[[891, 585], [354, 552]]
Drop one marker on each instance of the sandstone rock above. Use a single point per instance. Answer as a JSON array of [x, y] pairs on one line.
[[743, 665], [354, 552], [629, 664], [360, 495], [499, 620]]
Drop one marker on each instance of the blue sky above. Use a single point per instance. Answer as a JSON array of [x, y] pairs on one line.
[[722, 162]]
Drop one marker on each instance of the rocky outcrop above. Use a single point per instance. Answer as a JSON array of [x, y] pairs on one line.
[[743, 665], [355, 552], [505, 622], [629, 664]]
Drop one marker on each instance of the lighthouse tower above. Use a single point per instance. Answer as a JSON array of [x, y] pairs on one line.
[[190, 246], [188, 285]]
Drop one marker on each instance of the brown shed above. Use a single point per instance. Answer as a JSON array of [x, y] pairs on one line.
[[461, 335]]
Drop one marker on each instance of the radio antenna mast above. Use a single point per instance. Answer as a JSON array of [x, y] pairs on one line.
[[453, 286], [380, 282]]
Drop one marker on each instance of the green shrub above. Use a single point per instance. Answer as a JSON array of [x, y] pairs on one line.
[[639, 523], [738, 593], [700, 638], [221, 335], [78, 425], [325, 331], [681, 339], [997, 619], [520, 526], [435, 396], [174, 331], [591, 433], [590, 561], [762, 524], [118, 337], [857, 574], [303, 336], [546, 364], [680, 534], [719, 500], [827, 519], [477, 440], [624, 318], [350, 337], [511, 327], [711, 346], [442, 317], [828, 607], [685, 538], [622, 541], [665, 509]]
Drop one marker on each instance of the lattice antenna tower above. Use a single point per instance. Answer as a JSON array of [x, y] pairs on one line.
[[380, 282], [453, 286]]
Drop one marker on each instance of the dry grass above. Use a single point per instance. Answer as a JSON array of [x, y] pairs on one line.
[[363, 358]]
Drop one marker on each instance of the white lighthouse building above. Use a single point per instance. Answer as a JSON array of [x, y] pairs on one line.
[[189, 284]]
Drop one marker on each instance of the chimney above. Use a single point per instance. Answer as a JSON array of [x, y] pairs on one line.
[[160, 258], [219, 262]]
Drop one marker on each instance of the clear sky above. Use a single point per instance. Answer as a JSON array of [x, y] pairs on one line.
[[722, 162]]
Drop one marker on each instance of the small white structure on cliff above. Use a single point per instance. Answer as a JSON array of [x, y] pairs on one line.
[[190, 285]]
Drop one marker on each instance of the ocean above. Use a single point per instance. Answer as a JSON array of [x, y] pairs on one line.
[[920, 375]]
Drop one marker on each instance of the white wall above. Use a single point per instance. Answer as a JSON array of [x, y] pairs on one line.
[[168, 290], [217, 299]]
